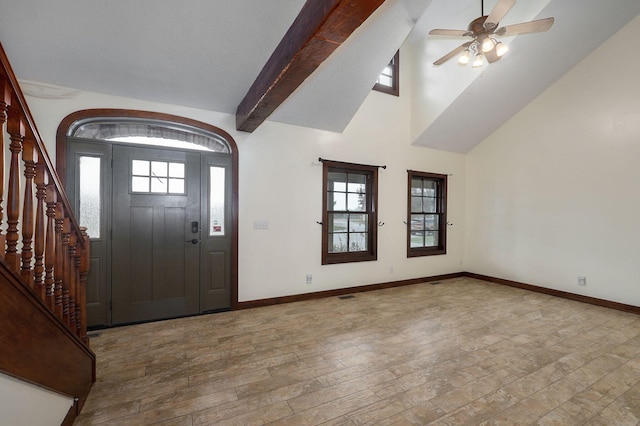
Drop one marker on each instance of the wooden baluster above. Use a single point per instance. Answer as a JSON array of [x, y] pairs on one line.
[[64, 238], [72, 281], [39, 246], [58, 269], [85, 259], [27, 211], [16, 129], [50, 248], [77, 264], [5, 102]]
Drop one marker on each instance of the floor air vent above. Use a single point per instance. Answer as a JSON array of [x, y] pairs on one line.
[[435, 282], [345, 297]]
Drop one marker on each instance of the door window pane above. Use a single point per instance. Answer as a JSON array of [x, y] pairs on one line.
[[140, 184], [140, 168], [216, 200], [89, 197], [157, 177], [159, 168], [176, 170], [176, 186], [159, 185]]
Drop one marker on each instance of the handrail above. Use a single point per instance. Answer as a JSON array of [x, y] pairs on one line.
[[43, 242]]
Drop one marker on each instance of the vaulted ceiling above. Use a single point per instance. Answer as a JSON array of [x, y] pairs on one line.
[[207, 54]]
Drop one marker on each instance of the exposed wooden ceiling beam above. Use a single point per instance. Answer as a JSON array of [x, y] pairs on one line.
[[321, 26]]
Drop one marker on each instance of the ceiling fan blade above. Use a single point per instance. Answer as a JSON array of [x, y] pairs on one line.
[[453, 53], [501, 8], [455, 33], [526, 27]]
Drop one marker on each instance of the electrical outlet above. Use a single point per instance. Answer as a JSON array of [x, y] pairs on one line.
[[391, 269], [582, 280], [309, 278]]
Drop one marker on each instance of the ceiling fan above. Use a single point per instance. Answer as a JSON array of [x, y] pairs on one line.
[[483, 31]]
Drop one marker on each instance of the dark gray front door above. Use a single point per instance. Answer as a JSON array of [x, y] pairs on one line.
[[161, 225], [156, 234]]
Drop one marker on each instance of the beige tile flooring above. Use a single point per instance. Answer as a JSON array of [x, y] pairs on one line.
[[460, 352]]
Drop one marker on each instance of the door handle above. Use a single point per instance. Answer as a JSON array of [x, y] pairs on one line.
[[194, 241]]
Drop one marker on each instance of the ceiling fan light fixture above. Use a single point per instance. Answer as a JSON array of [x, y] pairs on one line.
[[501, 49], [464, 58], [484, 30], [488, 44]]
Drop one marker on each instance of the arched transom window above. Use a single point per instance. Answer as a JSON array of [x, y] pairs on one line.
[[151, 132]]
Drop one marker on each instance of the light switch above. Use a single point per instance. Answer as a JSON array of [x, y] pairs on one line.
[[260, 224]]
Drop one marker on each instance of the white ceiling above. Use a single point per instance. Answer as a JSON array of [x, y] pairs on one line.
[[533, 63], [206, 54]]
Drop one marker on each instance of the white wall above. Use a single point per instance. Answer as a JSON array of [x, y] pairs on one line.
[[22, 403], [553, 193], [281, 182]]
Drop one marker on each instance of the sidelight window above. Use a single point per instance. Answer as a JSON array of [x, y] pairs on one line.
[[216, 200], [89, 200]]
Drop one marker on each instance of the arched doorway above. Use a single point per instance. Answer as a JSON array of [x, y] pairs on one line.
[[158, 194]]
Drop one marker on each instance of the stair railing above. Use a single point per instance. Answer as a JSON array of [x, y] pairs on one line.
[[40, 239]]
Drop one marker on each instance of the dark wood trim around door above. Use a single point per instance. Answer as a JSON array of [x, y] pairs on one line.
[[61, 163]]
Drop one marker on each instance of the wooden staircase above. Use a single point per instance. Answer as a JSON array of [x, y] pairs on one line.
[[44, 261]]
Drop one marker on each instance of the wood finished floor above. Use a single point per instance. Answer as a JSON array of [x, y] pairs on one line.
[[460, 352]]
